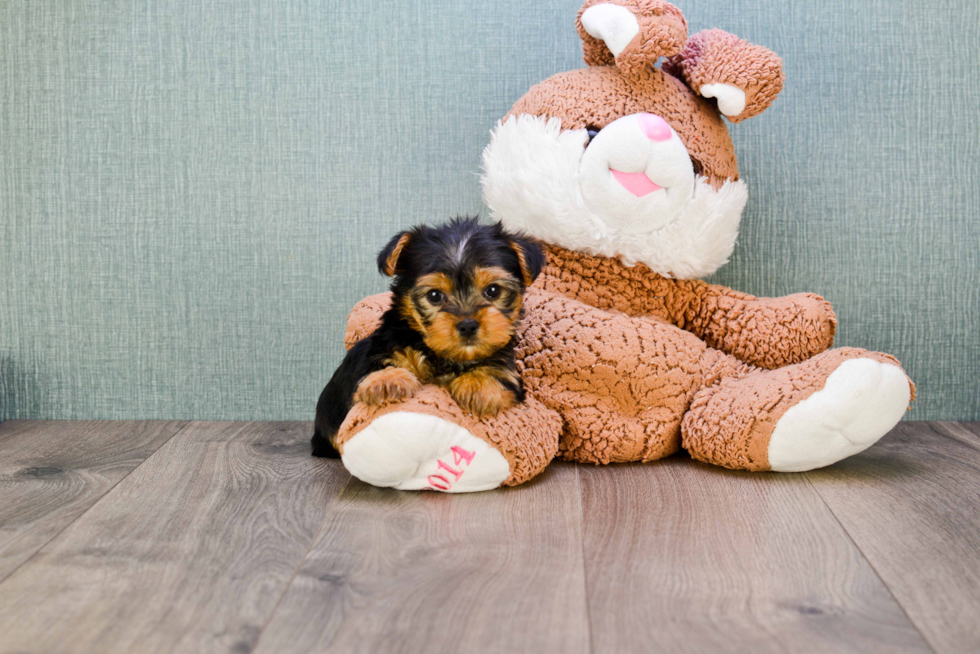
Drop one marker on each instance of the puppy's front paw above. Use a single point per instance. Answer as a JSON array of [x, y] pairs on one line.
[[481, 394], [387, 385]]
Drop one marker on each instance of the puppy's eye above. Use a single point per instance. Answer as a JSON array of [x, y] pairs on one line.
[[492, 291], [435, 297]]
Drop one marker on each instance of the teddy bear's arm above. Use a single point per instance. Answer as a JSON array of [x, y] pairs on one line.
[[766, 332], [742, 77], [365, 317]]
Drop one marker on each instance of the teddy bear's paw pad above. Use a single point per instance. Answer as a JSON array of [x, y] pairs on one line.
[[860, 402], [414, 451]]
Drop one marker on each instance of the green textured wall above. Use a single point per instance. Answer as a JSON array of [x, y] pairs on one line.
[[191, 193]]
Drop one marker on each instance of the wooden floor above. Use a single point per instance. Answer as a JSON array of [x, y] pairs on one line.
[[228, 537]]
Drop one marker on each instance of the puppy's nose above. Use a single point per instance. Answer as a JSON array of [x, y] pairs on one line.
[[467, 328], [655, 127]]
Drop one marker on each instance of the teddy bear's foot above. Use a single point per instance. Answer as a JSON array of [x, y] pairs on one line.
[[428, 443], [860, 402], [800, 417], [415, 451]]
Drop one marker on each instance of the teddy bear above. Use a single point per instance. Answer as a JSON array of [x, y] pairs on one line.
[[626, 174]]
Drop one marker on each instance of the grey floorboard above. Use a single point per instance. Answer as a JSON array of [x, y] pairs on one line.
[[189, 553], [973, 427], [912, 504], [51, 472], [421, 572], [967, 433], [229, 537], [685, 557]]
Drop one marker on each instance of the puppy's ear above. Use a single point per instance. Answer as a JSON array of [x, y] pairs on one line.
[[530, 256], [389, 255]]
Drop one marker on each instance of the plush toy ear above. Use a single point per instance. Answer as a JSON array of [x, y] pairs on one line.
[[632, 34], [530, 256], [388, 257], [743, 78]]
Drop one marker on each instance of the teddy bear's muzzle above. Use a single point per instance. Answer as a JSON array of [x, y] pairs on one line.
[[637, 174]]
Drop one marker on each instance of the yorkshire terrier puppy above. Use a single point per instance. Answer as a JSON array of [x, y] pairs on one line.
[[457, 292]]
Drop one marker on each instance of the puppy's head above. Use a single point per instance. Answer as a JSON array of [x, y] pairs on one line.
[[460, 285]]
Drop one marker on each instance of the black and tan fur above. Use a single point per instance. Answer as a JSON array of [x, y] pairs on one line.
[[458, 290]]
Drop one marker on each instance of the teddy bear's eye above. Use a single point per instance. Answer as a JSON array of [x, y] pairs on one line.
[[593, 132]]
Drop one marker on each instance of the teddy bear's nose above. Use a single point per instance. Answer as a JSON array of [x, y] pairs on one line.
[[655, 127]]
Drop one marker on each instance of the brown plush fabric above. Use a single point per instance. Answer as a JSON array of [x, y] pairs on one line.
[[365, 317], [623, 364], [622, 384], [527, 434], [766, 332], [596, 96], [626, 388], [729, 423], [714, 56], [663, 32]]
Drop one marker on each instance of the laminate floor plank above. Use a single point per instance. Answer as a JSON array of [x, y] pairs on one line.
[[499, 571], [912, 505], [52, 471], [685, 557], [229, 537], [967, 433], [973, 427], [189, 553]]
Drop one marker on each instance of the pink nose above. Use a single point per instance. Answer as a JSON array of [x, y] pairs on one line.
[[655, 127]]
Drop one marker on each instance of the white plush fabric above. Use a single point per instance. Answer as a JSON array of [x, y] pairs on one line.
[[731, 100], [415, 451], [541, 179], [623, 145], [613, 24], [860, 402]]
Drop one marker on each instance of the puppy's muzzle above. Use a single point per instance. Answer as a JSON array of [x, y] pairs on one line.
[[467, 328]]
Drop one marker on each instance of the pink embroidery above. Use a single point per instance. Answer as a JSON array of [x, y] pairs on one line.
[[455, 473], [440, 482], [439, 486], [462, 455]]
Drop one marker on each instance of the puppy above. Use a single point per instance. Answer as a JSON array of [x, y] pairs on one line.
[[458, 290]]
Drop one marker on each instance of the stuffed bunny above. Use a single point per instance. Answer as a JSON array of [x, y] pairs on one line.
[[627, 174]]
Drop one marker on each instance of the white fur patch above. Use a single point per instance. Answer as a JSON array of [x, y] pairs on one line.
[[731, 99], [533, 180], [415, 451], [613, 24], [860, 402], [623, 145]]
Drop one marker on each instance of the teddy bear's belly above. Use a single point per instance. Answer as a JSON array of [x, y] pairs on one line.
[[622, 384]]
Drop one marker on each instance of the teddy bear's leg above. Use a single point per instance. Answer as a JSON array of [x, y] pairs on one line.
[[631, 400], [601, 435], [428, 442], [621, 383], [805, 416]]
